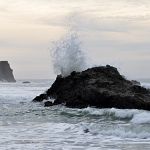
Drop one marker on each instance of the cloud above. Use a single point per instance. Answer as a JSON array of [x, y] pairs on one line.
[[112, 31]]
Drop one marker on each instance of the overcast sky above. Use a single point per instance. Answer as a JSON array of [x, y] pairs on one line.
[[115, 32]]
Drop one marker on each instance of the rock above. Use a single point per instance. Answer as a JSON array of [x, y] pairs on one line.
[[135, 82], [100, 87], [48, 103], [41, 98], [86, 130], [6, 73], [26, 82]]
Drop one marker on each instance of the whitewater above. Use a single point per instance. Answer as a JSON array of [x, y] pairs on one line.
[[29, 126]]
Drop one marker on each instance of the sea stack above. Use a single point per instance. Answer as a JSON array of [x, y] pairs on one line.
[[6, 73], [100, 87]]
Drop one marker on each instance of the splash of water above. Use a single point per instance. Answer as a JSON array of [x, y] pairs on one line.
[[67, 54]]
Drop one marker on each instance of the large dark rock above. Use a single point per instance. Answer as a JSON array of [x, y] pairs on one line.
[[100, 87], [6, 73]]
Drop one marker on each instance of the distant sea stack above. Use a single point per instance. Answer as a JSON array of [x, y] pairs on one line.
[[6, 73], [100, 87]]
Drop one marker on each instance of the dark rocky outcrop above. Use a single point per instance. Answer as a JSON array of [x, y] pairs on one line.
[[6, 73], [26, 82], [100, 87]]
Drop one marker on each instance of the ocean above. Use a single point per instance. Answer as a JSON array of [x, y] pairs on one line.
[[29, 126]]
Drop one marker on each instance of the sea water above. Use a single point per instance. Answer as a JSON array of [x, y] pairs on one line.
[[29, 126]]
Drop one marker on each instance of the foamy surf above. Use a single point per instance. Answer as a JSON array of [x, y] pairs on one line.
[[26, 125]]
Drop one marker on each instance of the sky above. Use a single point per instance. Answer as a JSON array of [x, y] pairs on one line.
[[114, 32]]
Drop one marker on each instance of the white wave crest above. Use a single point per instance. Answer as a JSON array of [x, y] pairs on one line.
[[113, 112], [133, 115], [141, 118]]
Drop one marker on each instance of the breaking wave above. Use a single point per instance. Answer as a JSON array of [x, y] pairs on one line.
[[67, 54]]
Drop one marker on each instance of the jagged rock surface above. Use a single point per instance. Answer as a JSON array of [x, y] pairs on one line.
[[100, 87], [6, 73]]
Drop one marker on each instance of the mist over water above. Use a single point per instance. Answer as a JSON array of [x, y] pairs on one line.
[[67, 54]]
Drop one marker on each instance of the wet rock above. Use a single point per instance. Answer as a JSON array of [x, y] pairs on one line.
[[26, 82], [41, 98], [136, 82], [48, 104], [100, 87], [86, 130]]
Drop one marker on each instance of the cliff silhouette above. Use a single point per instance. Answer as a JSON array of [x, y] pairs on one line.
[[6, 73]]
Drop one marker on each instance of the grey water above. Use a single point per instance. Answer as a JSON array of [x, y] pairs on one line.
[[29, 126]]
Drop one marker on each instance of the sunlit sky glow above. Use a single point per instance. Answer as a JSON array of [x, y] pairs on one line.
[[112, 31]]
